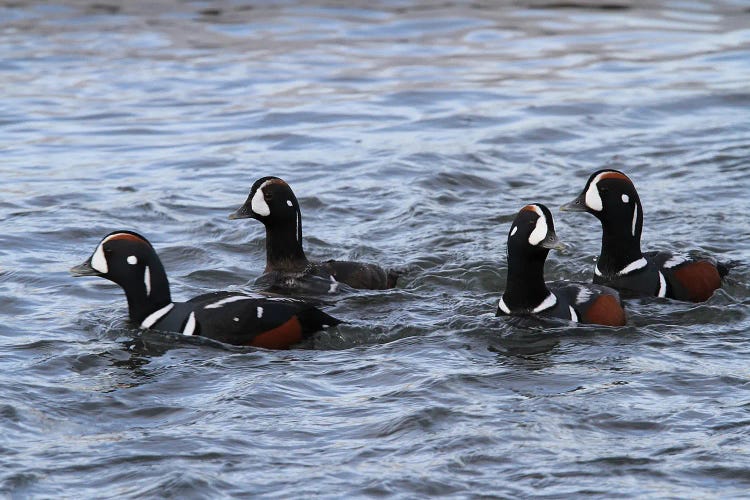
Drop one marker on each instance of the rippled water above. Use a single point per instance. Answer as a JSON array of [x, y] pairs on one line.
[[411, 132]]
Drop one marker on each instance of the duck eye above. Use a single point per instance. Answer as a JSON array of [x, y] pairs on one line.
[[267, 196]]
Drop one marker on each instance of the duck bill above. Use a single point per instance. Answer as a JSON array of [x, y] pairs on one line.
[[242, 213], [84, 269], [577, 205], [552, 242]]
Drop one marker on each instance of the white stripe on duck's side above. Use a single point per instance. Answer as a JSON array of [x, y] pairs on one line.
[[573, 315], [662, 286], [189, 325], [155, 316], [674, 261], [584, 294], [233, 298]]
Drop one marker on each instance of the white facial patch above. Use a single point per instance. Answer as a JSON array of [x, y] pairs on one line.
[[540, 231], [258, 203], [147, 280], [513, 231], [625, 198], [260, 312], [593, 200], [289, 203], [98, 260], [132, 260]]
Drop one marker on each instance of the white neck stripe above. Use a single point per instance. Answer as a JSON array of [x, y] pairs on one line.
[[550, 301], [155, 316], [503, 307], [147, 280], [633, 266]]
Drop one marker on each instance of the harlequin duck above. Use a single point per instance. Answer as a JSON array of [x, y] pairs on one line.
[[129, 260], [610, 196], [272, 202], [531, 237]]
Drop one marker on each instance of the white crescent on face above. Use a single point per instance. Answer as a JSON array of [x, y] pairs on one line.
[[258, 203], [99, 261], [593, 200], [540, 231]]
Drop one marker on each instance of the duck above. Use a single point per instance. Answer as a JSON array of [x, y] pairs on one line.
[[129, 260], [530, 239], [610, 196], [272, 202]]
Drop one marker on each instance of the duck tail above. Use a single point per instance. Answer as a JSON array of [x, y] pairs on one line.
[[725, 267]]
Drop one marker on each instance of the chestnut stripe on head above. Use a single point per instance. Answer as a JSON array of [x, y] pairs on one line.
[[612, 174], [593, 199], [258, 202], [99, 261]]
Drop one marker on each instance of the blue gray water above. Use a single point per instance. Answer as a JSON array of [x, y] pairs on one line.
[[412, 132]]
